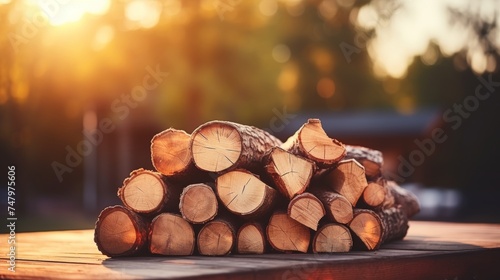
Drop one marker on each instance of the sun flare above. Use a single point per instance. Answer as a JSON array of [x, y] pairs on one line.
[[69, 11]]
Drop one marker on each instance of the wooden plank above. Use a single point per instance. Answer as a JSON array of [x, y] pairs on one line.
[[435, 250]]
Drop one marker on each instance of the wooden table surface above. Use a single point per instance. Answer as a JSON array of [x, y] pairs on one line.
[[431, 250]]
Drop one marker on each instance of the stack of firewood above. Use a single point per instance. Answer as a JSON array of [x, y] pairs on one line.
[[232, 188]]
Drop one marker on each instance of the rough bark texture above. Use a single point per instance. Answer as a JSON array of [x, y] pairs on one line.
[[251, 239], [290, 173], [372, 160], [243, 194], [198, 203], [217, 237], [394, 223], [338, 208], [306, 209], [221, 146], [148, 192], [120, 232], [332, 238], [171, 235], [285, 234], [404, 198], [367, 227], [311, 142], [348, 179]]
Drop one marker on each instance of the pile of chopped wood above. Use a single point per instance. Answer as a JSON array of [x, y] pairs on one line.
[[232, 188]]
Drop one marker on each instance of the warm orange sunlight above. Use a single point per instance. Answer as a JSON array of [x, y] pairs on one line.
[[394, 48], [62, 12]]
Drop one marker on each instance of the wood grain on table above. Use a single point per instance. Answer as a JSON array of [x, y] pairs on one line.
[[431, 250]]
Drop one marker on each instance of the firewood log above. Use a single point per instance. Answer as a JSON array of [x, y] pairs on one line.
[[290, 173], [251, 239], [404, 198], [311, 142], [306, 209], [148, 192], [171, 235], [217, 237], [372, 229], [372, 160], [285, 234], [120, 232], [374, 195], [198, 203], [338, 208], [171, 156], [243, 194], [332, 238], [348, 179], [367, 228], [221, 146]]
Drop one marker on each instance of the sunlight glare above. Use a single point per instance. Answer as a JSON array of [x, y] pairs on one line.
[[143, 14], [72, 10]]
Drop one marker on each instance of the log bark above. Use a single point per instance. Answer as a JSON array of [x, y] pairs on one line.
[[338, 208], [217, 237], [120, 232], [372, 160], [290, 173], [251, 239], [198, 203], [148, 192], [332, 238], [171, 235], [348, 179], [395, 224], [401, 197], [367, 227], [374, 195], [306, 209], [221, 146], [376, 228], [243, 194], [311, 142], [285, 234], [171, 156]]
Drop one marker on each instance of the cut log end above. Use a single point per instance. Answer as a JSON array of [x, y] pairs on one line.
[[216, 146], [216, 238], [171, 235], [332, 238], [170, 151], [198, 203], [367, 226], [348, 179], [374, 194], [313, 142], [251, 239], [119, 232], [307, 210], [144, 191], [244, 194], [290, 172], [286, 234]]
